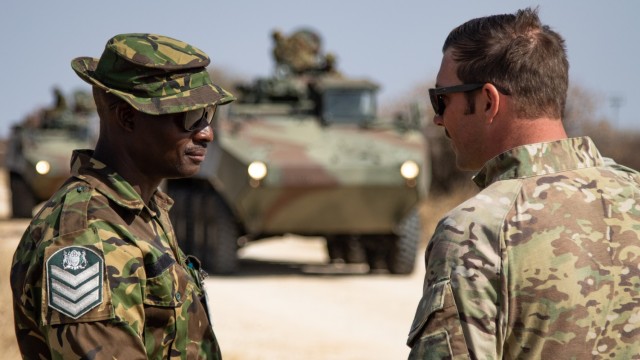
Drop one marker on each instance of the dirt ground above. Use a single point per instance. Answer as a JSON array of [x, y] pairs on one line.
[[10, 232], [286, 302]]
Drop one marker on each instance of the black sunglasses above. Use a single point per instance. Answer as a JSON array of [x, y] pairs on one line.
[[437, 101], [197, 119]]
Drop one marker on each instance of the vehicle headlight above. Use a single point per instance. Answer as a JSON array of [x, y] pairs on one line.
[[409, 170], [43, 167], [257, 170]]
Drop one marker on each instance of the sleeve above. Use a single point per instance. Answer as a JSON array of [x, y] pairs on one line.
[[66, 289], [457, 315], [79, 296], [95, 340]]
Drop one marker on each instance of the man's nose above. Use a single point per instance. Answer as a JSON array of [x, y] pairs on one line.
[[205, 134], [437, 119]]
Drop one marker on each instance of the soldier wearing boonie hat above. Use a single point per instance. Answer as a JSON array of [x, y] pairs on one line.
[[98, 273]]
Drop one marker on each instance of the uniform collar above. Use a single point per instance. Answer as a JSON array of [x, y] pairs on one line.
[[540, 159], [109, 183]]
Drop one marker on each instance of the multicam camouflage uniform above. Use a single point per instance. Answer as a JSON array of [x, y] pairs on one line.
[[544, 263], [98, 274]]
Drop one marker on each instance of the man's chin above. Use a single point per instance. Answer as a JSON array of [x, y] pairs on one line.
[[187, 171]]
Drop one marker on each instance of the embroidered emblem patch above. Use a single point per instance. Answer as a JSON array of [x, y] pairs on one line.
[[74, 279]]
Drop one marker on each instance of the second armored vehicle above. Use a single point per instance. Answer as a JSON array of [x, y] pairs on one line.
[[39, 149]]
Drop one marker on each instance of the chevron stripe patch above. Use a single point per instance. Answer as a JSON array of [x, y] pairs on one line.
[[74, 279]]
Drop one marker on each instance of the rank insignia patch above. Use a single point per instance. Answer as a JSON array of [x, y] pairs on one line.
[[74, 279]]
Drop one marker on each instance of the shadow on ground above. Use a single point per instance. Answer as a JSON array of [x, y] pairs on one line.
[[260, 267]]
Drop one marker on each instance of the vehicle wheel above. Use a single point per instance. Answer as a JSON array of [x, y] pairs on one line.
[[346, 249], [200, 209], [221, 235], [181, 215], [376, 246], [335, 249], [401, 256], [355, 250], [22, 199]]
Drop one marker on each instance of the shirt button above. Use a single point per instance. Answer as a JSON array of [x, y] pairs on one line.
[[178, 296]]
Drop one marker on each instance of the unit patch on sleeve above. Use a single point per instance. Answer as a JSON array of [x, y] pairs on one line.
[[74, 278]]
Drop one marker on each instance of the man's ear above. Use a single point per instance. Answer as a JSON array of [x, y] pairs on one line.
[[492, 101], [125, 116]]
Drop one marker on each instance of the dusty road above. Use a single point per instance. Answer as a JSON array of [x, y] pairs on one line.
[[287, 304]]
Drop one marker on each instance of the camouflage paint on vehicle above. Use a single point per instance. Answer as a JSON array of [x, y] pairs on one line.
[[321, 179]]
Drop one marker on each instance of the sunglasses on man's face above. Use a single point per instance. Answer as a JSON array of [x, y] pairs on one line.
[[437, 99], [198, 119]]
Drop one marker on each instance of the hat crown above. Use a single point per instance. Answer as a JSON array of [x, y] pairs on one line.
[[157, 51], [151, 66]]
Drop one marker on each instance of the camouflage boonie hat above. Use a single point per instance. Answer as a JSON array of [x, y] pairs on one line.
[[155, 74]]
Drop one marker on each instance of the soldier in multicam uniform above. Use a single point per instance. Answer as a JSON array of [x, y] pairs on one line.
[[544, 262], [98, 274]]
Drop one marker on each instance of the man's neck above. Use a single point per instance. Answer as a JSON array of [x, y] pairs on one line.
[[123, 165], [528, 131]]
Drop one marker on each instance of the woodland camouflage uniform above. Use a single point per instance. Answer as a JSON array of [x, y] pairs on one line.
[[152, 296], [98, 273], [543, 263]]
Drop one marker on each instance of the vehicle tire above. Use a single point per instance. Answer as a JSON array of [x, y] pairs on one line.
[[181, 215], [346, 249], [354, 250], [401, 257], [335, 249], [22, 199], [377, 247], [221, 235], [199, 210]]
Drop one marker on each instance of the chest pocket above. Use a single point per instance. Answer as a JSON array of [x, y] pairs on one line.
[[168, 293], [168, 284]]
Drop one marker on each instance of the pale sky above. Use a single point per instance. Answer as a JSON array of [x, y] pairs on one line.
[[397, 44]]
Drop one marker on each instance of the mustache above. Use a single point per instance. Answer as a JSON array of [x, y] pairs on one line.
[[196, 149], [197, 146]]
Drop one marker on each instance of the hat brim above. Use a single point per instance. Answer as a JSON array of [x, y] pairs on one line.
[[193, 99]]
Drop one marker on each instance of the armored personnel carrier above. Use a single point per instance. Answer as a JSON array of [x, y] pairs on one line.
[[304, 152], [39, 149]]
